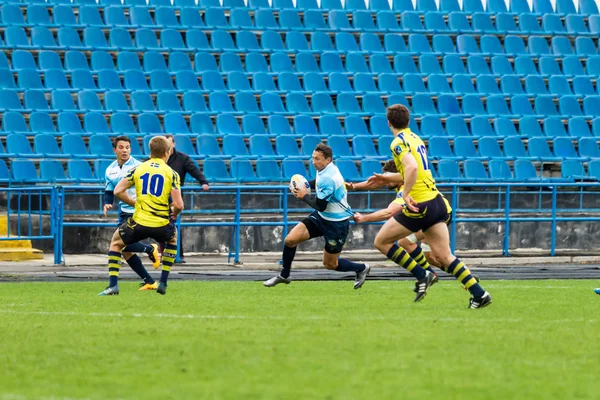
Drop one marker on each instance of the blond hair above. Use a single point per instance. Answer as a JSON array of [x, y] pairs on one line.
[[159, 146]]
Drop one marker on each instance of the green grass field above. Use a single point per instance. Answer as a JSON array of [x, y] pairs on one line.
[[321, 340]]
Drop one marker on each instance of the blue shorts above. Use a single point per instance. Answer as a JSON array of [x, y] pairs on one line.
[[334, 232], [123, 217]]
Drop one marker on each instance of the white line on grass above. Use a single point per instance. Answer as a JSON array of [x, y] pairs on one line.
[[275, 317]]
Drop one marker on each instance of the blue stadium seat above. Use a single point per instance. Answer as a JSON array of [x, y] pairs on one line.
[[578, 127], [496, 105], [554, 127], [148, 123], [529, 127], [525, 171], [46, 145], [330, 125], [456, 126], [439, 148], [588, 148], [593, 169], [475, 171], [290, 19], [558, 85], [260, 145], [19, 146], [215, 170], [341, 147], [94, 122], [242, 170], [348, 169], [52, 171], [363, 21], [14, 122], [286, 146], [368, 167], [573, 169], [268, 170], [525, 66], [504, 22], [569, 106], [486, 84], [582, 85], [305, 62], [304, 125], [40, 122], [230, 62], [24, 171], [514, 148], [572, 66], [464, 147], [459, 23], [511, 84], [68, 122], [449, 170], [80, 171], [363, 146], [489, 148], [227, 125], [481, 126], [591, 105], [500, 171], [501, 66], [521, 105], [208, 146], [292, 166]]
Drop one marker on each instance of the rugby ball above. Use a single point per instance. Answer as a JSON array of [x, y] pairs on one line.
[[298, 181]]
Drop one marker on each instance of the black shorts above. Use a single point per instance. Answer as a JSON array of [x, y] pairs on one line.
[[334, 232], [430, 213], [132, 232]]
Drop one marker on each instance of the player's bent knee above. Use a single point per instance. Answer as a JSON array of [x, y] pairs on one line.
[[126, 255]]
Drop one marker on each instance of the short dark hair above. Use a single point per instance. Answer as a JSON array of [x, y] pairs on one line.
[[325, 150], [389, 166], [398, 116], [121, 138]]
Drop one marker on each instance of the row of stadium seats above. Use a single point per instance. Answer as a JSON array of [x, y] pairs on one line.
[[265, 19], [131, 81], [300, 125], [79, 171], [24, 74], [586, 7], [260, 146], [346, 103], [495, 6], [93, 38]]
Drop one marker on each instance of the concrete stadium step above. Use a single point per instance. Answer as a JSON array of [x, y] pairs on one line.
[[16, 250]]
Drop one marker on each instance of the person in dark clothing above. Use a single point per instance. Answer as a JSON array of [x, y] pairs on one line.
[[183, 165]]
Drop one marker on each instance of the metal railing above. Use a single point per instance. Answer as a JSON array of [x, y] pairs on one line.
[[27, 204]]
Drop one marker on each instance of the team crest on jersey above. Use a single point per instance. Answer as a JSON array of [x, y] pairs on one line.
[[397, 150], [332, 242], [154, 165]]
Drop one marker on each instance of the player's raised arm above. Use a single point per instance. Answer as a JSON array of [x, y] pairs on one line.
[[121, 190], [381, 215]]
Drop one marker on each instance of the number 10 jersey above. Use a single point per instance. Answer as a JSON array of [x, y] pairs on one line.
[[153, 180]]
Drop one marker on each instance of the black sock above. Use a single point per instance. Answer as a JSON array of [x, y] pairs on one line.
[[138, 248], [135, 263], [345, 265], [288, 257], [398, 255]]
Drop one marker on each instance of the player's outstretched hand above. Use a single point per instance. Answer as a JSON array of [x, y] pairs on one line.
[[358, 218], [410, 203], [377, 180], [349, 186], [106, 208], [205, 187]]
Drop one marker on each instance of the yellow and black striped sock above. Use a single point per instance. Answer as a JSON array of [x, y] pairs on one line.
[[398, 255], [168, 259], [462, 273], [419, 257], [114, 265]]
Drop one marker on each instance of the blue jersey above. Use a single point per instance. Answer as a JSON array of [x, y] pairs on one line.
[[114, 174], [330, 186]]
